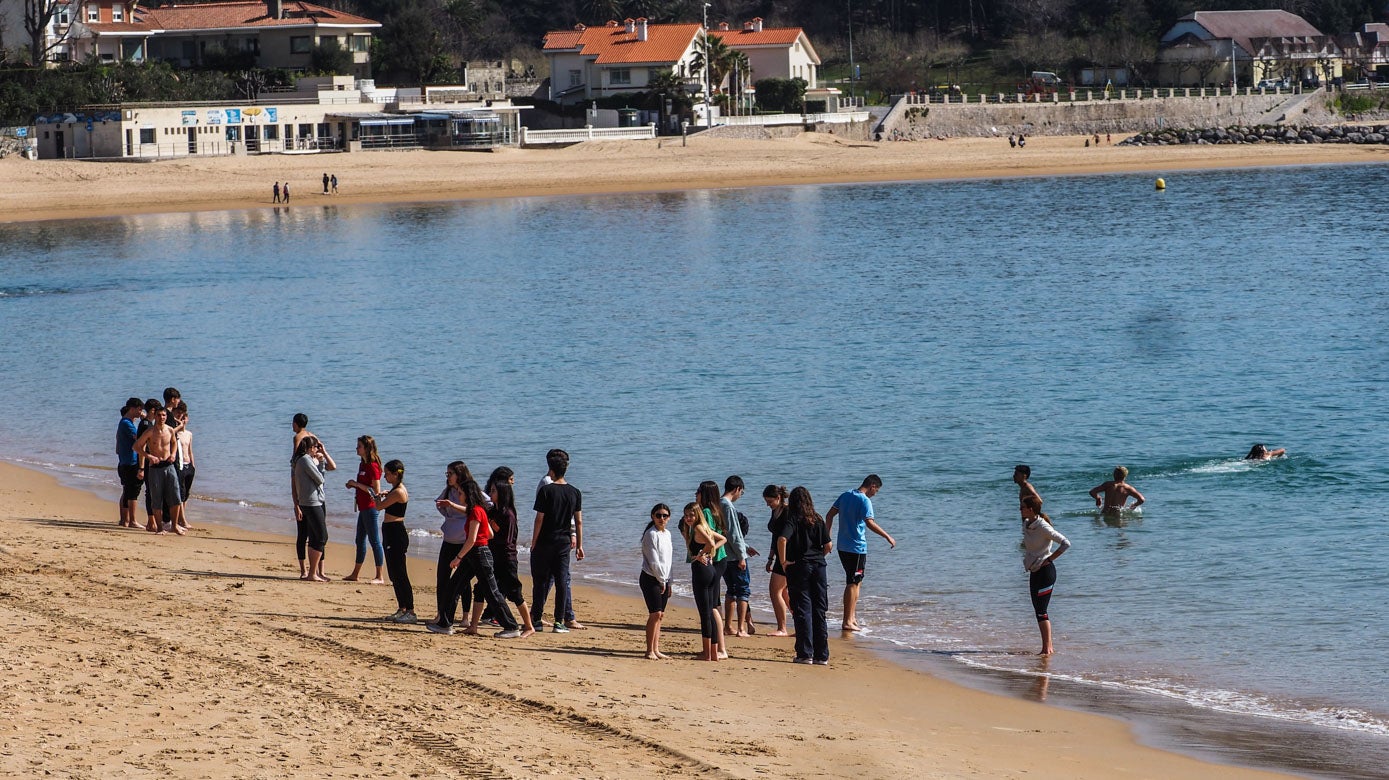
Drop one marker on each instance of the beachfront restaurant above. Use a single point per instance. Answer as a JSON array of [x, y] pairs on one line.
[[430, 129]]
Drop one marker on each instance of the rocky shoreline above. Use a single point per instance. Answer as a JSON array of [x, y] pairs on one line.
[[1264, 134]]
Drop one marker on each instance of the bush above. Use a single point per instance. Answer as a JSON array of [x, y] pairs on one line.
[[781, 95]]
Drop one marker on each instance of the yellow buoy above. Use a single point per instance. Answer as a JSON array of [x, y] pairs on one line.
[[1161, 184]]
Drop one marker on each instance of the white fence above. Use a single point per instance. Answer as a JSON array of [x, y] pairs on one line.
[[1091, 95], [770, 120], [587, 133]]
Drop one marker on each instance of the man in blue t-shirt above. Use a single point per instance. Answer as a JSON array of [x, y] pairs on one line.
[[127, 462], [856, 508]]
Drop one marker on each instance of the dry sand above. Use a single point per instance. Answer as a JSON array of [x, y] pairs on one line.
[[54, 189], [130, 655]]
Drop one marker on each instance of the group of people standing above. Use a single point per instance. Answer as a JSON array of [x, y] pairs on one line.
[[477, 562], [154, 451], [714, 540]]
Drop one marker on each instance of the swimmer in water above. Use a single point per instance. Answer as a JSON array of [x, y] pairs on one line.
[[1261, 452], [1116, 493]]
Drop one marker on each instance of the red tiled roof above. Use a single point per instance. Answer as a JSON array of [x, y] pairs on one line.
[[664, 43], [1241, 26], [767, 36], [232, 15]]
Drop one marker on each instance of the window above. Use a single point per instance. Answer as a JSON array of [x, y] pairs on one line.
[[118, 13], [93, 13], [361, 43], [619, 76], [300, 44], [272, 132], [147, 135], [575, 78], [63, 17]]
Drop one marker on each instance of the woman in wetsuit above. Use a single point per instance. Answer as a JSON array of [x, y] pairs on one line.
[[1038, 557]]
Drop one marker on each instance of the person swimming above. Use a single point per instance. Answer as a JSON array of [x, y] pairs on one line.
[[1116, 493], [1262, 452]]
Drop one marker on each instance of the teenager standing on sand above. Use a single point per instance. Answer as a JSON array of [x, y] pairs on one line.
[[395, 539], [856, 507], [802, 547], [367, 484], [570, 621], [310, 467], [775, 497], [702, 544], [300, 425], [1038, 558], [474, 560], [158, 445], [502, 543], [655, 577], [127, 461], [452, 505], [711, 512], [184, 461], [736, 616], [559, 517]]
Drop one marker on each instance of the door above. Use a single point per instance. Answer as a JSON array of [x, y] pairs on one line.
[[58, 143], [252, 138], [192, 140]]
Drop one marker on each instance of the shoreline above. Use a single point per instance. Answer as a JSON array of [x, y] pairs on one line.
[[230, 600], [49, 190]]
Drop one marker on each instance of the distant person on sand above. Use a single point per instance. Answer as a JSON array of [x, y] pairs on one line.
[[1112, 496], [1012, 141], [737, 619], [310, 466], [326, 181], [1261, 452], [802, 547], [775, 496], [856, 508], [656, 554], [158, 445], [184, 460], [702, 544], [275, 193], [1038, 557], [559, 517], [1021, 474], [502, 514], [334, 181], [396, 540], [285, 193], [128, 461], [367, 485]]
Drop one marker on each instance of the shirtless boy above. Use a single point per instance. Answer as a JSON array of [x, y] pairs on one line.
[[1021, 474], [158, 445], [1116, 493]]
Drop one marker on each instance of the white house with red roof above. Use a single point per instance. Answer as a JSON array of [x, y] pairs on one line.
[[774, 52], [277, 33], [587, 63]]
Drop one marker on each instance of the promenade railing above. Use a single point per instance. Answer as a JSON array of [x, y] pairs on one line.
[[1089, 95], [586, 133]]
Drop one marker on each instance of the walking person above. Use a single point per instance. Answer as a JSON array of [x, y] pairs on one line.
[[128, 461], [395, 539], [455, 531], [334, 180], [1039, 562], [802, 547], [711, 513], [702, 543], [325, 183], [558, 517], [310, 466], [275, 193], [856, 508], [472, 559], [655, 577], [502, 543], [775, 497], [367, 484], [285, 193]]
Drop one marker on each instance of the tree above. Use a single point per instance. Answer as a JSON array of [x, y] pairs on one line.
[[331, 58], [786, 95], [38, 18], [411, 46]]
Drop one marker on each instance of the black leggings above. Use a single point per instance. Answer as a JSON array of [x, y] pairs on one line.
[[301, 539], [316, 526], [1041, 582], [478, 564], [704, 578], [397, 542]]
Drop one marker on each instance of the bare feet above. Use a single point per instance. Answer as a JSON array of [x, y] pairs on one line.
[[317, 578], [653, 656], [722, 656], [469, 631], [350, 578], [1048, 651], [161, 532], [662, 656], [779, 632], [851, 627], [752, 630], [178, 531], [526, 632], [378, 581], [574, 625]]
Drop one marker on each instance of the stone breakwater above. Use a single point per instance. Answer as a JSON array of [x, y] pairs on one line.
[[1264, 134]]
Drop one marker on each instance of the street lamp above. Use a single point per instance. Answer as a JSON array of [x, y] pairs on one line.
[[708, 66], [850, 5]]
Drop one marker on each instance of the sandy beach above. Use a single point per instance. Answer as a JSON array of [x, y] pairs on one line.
[[130, 655], [61, 189]]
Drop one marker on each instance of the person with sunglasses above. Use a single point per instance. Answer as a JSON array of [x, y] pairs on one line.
[[656, 554]]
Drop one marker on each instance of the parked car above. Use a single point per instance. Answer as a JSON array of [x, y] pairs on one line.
[[1274, 84]]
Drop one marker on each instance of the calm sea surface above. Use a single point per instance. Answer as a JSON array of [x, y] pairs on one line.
[[934, 333]]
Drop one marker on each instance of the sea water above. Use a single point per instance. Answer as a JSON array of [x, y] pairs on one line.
[[932, 333]]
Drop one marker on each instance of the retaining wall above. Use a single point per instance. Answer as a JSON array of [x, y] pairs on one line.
[[907, 123]]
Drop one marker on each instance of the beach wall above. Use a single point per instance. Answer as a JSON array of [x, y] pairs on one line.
[[916, 122], [858, 131]]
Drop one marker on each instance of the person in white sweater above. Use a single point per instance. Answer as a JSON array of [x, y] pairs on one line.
[[655, 577], [1038, 557]]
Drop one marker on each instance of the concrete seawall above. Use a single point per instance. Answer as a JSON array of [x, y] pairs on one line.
[[914, 122]]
